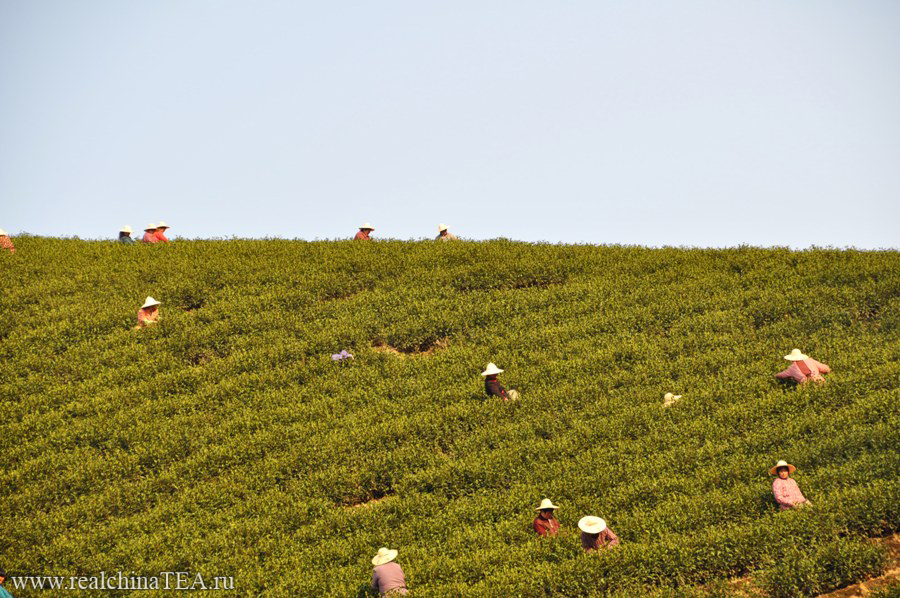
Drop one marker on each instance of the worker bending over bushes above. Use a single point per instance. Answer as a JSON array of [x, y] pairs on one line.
[[388, 577], [803, 369], [444, 234], [595, 535], [148, 313], [363, 234]]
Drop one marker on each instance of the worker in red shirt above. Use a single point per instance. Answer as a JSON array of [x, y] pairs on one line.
[[148, 313], [363, 234], [545, 524], [161, 232]]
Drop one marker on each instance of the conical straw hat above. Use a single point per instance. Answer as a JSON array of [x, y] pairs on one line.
[[150, 302]]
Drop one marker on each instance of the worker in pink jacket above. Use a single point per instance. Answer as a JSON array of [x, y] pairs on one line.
[[787, 492], [150, 234], [803, 368], [387, 576]]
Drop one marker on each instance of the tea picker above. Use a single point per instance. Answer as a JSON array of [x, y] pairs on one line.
[[3, 592], [444, 234], [161, 231], [546, 524], [388, 577], [6, 242], [125, 235], [148, 313], [669, 399], [492, 386], [595, 534], [803, 368], [363, 234], [150, 234], [784, 487]]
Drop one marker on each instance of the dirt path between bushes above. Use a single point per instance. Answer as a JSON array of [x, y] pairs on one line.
[[745, 588], [891, 573]]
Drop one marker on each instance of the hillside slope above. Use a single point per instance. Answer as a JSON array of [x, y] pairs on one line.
[[225, 441]]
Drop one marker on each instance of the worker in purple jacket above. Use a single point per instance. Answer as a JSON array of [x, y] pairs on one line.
[[803, 368], [787, 492], [388, 577]]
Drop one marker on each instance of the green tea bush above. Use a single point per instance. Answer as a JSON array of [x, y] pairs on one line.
[[224, 440]]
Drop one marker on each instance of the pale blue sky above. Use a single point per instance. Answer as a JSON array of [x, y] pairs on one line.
[[696, 122]]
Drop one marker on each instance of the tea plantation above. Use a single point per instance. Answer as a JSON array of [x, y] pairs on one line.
[[226, 441]]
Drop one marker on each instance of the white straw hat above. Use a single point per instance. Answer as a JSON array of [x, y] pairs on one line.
[[546, 504], [126, 229], [796, 355], [384, 556], [367, 225], [670, 399], [491, 369], [3, 233], [149, 302], [151, 226], [782, 463], [591, 524], [442, 227], [162, 224]]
